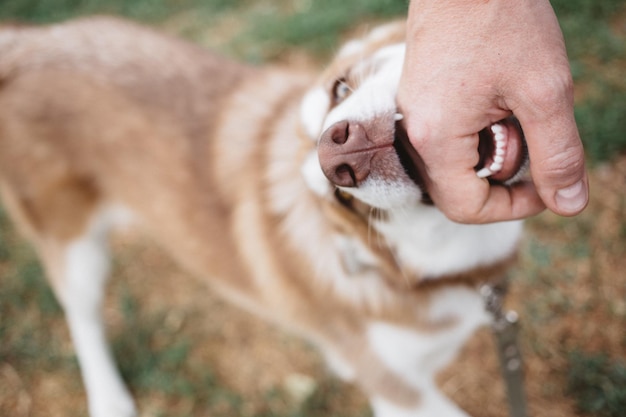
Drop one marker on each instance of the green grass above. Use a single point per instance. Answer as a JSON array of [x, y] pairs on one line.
[[44, 11], [317, 26], [598, 384], [155, 361], [597, 52], [23, 289]]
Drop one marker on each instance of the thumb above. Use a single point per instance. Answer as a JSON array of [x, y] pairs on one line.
[[556, 153]]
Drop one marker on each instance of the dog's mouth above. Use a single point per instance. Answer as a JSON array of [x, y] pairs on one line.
[[502, 150]]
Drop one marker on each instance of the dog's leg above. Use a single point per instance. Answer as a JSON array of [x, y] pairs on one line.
[[414, 365], [79, 270], [431, 403], [415, 357], [86, 271]]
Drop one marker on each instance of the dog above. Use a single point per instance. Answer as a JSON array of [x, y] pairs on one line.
[[297, 196]]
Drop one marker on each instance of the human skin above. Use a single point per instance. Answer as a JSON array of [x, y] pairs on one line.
[[470, 63]]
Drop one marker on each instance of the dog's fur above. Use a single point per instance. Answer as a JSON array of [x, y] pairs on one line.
[[104, 122]]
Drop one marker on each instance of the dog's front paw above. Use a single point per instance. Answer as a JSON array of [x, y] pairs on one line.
[[121, 405]]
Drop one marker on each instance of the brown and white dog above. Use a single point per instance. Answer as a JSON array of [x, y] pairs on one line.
[[298, 199]]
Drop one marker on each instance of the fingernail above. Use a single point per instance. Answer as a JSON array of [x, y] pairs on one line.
[[572, 199]]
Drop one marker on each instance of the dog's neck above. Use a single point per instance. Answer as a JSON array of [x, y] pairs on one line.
[[420, 246]]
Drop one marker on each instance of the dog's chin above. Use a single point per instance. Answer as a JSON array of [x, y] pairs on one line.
[[384, 194]]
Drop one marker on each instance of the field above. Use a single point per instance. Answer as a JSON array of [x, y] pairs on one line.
[[185, 352]]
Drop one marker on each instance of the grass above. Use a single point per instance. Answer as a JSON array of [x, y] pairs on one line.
[[44, 11], [24, 289], [570, 289], [597, 383], [595, 32]]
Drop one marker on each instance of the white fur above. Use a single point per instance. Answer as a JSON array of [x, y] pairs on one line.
[[351, 48], [385, 194], [313, 110], [86, 272], [428, 242], [432, 404], [314, 176], [417, 357], [377, 94]]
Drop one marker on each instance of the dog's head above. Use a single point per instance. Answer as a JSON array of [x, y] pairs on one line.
[[363, 149]]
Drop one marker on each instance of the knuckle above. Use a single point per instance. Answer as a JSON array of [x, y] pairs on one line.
[[550, 94], [468, 211], [562, 167]]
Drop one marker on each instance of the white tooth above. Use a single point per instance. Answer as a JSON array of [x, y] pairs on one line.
[[497, 129], [499, 137], [495, 167], [484, 173], [498, 160], [500, 151], [397, 117]]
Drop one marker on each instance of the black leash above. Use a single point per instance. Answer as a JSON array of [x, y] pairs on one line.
[[505, 327]]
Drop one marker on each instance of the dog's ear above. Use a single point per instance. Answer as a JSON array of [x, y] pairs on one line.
[[352, 47], [387, 34]]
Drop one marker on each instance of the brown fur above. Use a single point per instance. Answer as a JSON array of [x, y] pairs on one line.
[[199, 149]]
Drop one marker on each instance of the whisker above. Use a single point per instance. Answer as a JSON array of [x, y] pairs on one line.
[[370, 215]]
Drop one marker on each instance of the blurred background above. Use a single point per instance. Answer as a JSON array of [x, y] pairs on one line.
[[184, 352]]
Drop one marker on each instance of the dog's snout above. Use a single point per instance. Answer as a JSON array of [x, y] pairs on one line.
[[345, 153], [338, 132]]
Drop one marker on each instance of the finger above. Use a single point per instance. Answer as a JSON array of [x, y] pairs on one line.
[[468, 199], [505, 203], [465, 198], [556, 154]]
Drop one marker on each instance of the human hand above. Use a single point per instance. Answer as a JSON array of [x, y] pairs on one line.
[[471, 63]]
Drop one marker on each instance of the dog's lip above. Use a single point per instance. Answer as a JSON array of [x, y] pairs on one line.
[[409, 159], [502, 151]]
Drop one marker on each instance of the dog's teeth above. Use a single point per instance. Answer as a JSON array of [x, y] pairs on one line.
[[497, 129], [498, 159], [484, 173], [398, 116], [495, 167], [500, 151]]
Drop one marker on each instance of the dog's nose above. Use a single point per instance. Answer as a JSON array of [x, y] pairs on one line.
[[345, 153]]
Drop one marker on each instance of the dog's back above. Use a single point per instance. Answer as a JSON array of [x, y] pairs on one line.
[[100, 112]]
